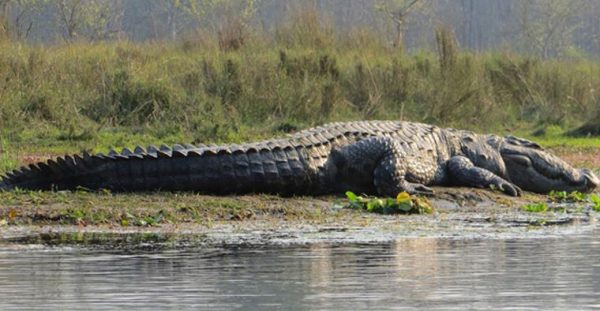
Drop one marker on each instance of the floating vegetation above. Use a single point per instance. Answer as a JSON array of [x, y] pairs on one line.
[[404, 203]]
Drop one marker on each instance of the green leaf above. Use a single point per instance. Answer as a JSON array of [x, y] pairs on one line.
[[558, 196], [596, 200], [375, 205], [403, 203], [351, 196], [423, 206], [406, 206], [577, 196]]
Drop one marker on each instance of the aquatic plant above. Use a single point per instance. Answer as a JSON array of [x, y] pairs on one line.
[[404, 203]]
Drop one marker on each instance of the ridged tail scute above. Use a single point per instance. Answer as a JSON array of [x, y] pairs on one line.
[[207, 169]]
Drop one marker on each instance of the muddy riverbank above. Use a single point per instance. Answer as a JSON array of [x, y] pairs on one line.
[[190, 219]]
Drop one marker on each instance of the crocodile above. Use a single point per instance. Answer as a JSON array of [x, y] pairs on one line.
[[373, 157]]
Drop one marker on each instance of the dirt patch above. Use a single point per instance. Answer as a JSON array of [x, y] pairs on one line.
[[35, 158], [581, 158]]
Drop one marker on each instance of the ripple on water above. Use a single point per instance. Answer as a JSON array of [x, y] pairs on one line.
[[433, 273]]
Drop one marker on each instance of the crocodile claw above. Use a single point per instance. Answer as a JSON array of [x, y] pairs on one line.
[[508, 188], [420, 189]]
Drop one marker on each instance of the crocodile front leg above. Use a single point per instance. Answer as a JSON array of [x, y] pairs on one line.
[[464, 173], [382, 165]]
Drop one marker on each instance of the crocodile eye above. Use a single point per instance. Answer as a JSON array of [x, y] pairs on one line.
[[484, 157], [522, 142]]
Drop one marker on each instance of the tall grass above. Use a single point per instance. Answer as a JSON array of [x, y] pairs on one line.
[[306, 73]]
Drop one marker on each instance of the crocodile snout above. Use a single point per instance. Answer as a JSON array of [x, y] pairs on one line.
[[592, 180]]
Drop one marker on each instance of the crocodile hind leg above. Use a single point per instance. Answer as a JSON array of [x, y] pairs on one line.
[[390, 178], [382, 165]]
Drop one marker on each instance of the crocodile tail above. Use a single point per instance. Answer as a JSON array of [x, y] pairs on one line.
[[66, 172], [4, 186], [214, 170]]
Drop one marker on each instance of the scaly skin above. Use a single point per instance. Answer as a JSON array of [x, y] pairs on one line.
[[380, 157]]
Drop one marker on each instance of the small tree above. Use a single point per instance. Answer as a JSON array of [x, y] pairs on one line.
[[179, 13], [232, 28], [24, 18], [547, 26], [398, 11], [89, 19], [4, 17], [17, 17]]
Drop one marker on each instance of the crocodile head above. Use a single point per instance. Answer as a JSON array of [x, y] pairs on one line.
[[533, 169]]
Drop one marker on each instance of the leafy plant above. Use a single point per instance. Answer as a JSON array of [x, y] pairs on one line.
[[403, 204], [535, 207], [577, 196], [76, 215], [564, 196], [596, 202], [150, 220], [557, 196]]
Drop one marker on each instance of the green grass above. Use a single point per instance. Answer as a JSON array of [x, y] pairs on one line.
[[568, 142], [67, 98]]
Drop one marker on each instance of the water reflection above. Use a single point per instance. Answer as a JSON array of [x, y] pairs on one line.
[[556, 273]]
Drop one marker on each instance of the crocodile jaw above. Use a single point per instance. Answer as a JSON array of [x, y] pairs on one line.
[[534, 169]]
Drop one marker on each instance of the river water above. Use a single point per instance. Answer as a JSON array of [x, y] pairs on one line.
[[426, 273]]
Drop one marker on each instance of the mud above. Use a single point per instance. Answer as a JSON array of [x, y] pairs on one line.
[[460, 213]]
